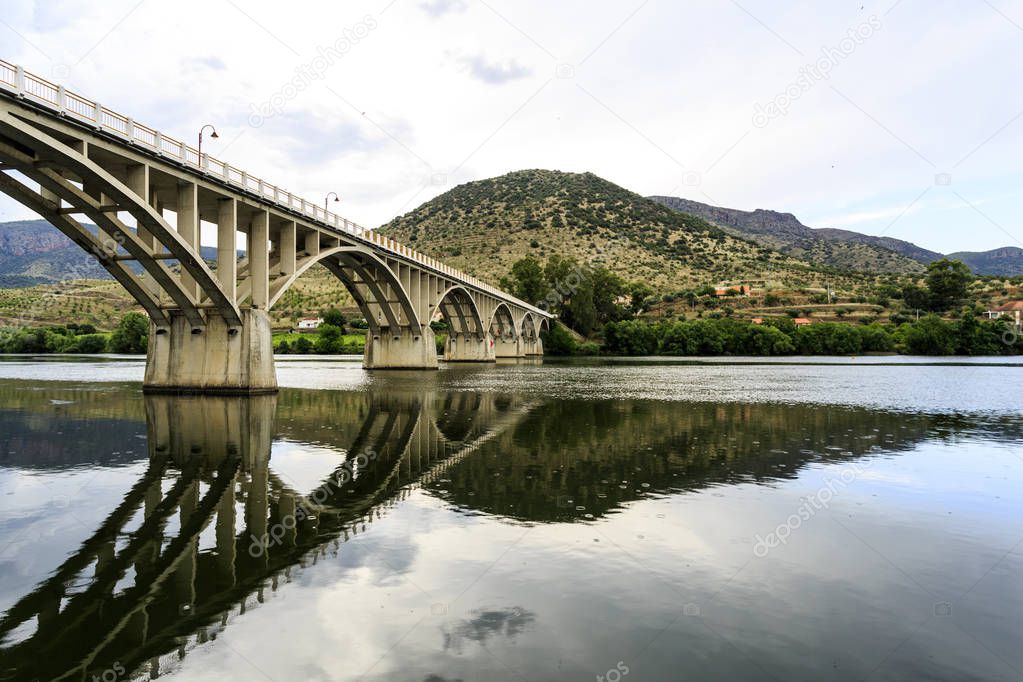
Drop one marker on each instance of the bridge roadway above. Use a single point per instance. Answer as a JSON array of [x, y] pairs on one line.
[[136, 199]]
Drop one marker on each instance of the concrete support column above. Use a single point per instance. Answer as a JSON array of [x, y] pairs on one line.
[[259, 259], [532, 346], [508, 347], [227, 247], [401, 349], [312, 243], [469, 348], [188, 228], [138, 182], [288, 247], [215, 361]]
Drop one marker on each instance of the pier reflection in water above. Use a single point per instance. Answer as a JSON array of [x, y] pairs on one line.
[[210, 527]]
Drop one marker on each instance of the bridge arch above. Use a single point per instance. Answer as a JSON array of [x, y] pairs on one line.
[[59, 169], [381, 298], [460, 311], [503, 323], [527, 328]]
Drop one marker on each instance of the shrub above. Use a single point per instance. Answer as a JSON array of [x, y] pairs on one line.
[[630, 337], [131, 335], [558, 341], [931, 336], [90, 343], [330, 341], [334, 318]]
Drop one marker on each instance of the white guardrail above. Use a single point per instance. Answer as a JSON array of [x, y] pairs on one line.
[[53, 96]]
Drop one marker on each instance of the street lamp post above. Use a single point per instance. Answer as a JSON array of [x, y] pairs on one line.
[[326, 201], [212, 135]]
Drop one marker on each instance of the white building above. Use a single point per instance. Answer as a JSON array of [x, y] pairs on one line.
[[1011, 310], [309, 323]]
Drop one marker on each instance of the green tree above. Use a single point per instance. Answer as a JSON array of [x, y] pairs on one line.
[[26, 341], [638, 293], [302, 346], [607, 288], [330, 341], [931, 336], [333, 317], [90, 343], [528, 280], [131, 335], [916, 297], [630, 337], [978, 337], [558, 341], [948, 282]]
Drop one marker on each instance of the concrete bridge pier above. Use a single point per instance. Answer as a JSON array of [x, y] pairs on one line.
[[215, 359], [405, 348], [533, 346], [508, 347], [468, 347]]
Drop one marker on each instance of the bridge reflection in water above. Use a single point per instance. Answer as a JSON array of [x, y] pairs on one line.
[[209, 527]]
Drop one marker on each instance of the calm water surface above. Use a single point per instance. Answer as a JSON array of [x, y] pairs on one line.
[[841, 520]]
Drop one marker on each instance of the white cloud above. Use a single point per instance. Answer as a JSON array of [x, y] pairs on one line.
[[494, 72], [438, 8], [648, 98]]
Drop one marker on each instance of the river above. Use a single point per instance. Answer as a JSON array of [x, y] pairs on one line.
[[803, 519]]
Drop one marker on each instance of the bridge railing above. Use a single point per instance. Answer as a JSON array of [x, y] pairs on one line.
[[66, 103]]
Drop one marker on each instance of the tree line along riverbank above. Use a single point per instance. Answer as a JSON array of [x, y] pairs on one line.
[[930, 335]]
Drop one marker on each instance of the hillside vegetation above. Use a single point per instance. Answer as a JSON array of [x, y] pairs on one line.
[[783, 232], [483, 227]]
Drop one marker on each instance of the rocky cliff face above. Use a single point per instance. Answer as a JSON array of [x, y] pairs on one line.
[[837, 248], [1006, 261], [783, 232], [30, 237]]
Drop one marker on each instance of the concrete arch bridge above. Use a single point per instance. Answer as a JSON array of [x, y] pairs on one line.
[[136, 199]]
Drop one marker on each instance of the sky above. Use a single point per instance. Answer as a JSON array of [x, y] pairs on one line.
[[901, 118]]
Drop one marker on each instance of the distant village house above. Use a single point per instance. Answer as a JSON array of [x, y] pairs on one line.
[[738, 290], [1012, 310], [309, 324]]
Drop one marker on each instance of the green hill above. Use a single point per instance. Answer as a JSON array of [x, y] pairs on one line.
[[483, 227]]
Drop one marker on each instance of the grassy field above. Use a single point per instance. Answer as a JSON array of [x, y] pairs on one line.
[[353, 340], [102, 302]]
